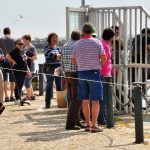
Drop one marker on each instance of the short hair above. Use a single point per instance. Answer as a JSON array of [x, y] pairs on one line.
[[87, 28], [50, 37], [27, 37], [144, 30], [18, 41], [6, 31], [107, 34], [75, 35], [115, 27]]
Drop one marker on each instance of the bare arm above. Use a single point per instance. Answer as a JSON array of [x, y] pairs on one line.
[[34, 57], [28, 73], [148, 47], [73, 60], [103, 59], [10, 59]]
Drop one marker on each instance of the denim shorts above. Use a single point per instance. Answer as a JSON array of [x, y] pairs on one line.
[[9, 75], [28, 80], [89, 89]]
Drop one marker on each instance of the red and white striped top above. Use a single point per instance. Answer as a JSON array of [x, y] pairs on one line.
[[87, 53]]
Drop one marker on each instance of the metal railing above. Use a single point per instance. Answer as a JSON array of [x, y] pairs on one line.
[[131, 20]]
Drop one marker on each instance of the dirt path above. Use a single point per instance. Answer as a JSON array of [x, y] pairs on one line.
[[35, 128]]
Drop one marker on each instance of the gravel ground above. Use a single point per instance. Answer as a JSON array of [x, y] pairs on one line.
[[35, 128]]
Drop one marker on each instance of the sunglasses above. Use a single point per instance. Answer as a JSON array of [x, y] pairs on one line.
[[20, 44]]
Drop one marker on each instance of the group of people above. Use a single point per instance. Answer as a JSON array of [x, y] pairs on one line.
[[17, 62], [84, 61]]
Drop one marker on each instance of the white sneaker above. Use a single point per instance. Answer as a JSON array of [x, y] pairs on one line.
[[17, 102]]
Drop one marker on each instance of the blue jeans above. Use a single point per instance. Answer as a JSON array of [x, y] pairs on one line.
[[27, 81], [49, 86], [7, 74], [102, 112]]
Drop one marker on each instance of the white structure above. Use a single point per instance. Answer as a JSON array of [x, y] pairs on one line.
[[131, 20]]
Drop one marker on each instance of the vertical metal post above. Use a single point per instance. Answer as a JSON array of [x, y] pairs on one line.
[[125, 61], [41, 86], [67, 24], [102, 20], [137, 95], [109, 102], [82, 3]]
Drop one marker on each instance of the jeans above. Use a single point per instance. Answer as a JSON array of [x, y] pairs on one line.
[[102, 112], [8, 74], [19, 80], [49, 86], [28, 80]]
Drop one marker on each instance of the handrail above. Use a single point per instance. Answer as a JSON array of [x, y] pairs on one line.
[[122, 7], [106, 8], [145, 11], [118, 7]]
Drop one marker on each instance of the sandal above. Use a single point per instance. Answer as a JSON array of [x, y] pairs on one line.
[[33, 98], [95, 129], [88, 129]]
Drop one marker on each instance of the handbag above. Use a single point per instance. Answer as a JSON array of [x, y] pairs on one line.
[[45, 68], [61, 99]]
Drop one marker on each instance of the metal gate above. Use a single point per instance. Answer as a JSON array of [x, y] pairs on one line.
[[131, 20]]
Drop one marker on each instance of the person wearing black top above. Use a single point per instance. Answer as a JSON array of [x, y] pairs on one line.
[[20, 67], [52, 61]]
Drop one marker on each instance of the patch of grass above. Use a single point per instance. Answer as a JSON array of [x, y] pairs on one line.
[[124, 122]]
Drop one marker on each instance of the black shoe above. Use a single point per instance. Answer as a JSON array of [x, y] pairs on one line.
[[22, 102], [6, 99], [72, 128], [12, 99], [102, 123], [47, 107], [81, 125], [2, 108]]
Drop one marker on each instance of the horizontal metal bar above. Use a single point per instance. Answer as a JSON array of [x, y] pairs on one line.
[[121, 7], [81, 9], [135, 65]]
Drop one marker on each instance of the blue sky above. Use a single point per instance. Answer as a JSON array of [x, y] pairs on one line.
[[40, 17]]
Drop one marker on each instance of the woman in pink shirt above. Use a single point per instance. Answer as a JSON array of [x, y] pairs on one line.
[[107, 38]]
